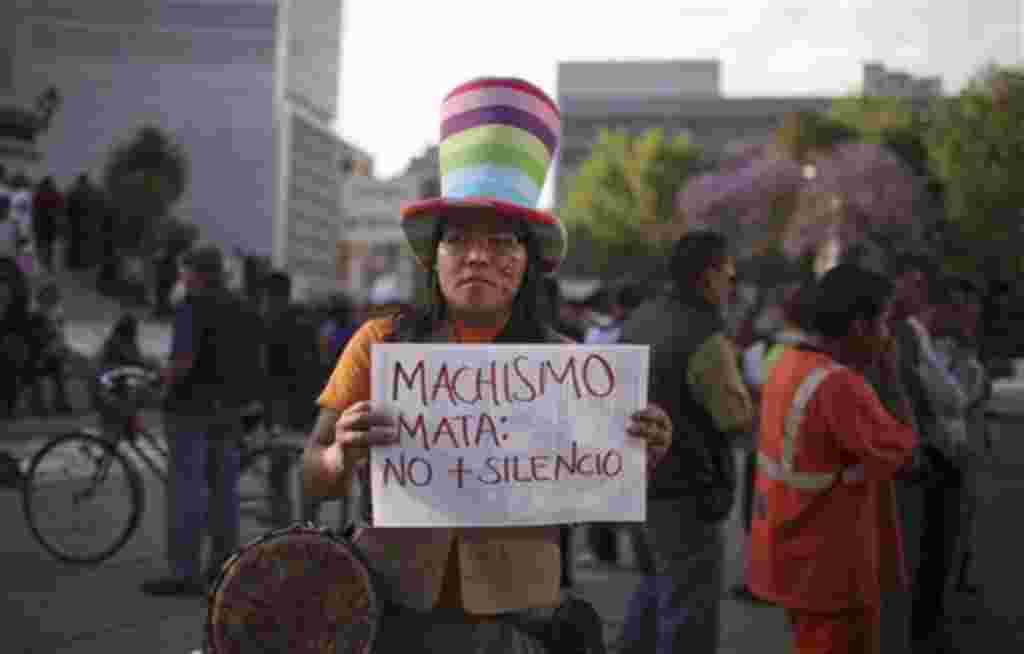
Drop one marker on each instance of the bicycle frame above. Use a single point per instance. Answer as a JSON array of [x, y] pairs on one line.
[[133, 432], [158, 468]]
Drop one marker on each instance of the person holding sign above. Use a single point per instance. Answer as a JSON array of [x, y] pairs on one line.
[[486, 250]]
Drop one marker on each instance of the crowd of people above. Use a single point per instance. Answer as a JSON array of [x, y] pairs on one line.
[[32, 345], [858, 397]]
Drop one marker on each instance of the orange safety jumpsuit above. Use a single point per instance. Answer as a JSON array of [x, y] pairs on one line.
[[825, 537]]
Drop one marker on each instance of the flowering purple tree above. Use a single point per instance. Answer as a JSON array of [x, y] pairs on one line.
[[846, 191]]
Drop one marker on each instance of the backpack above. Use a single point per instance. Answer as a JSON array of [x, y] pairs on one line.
[[238, 354], [228, 364]]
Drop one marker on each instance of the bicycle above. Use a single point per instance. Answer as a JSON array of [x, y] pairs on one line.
[[107, 491]]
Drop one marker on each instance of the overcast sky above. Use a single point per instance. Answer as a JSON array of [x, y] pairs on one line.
[[399, 58]]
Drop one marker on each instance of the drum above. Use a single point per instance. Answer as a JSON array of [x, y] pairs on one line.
[[300, 589]]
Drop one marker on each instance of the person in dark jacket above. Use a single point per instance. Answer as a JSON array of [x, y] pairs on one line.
[[695, 376], [926, 496], [214, 360], [83, 218], [47, 207], [15, 335]]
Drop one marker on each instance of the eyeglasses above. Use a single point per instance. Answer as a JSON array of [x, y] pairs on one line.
[[458, 243]]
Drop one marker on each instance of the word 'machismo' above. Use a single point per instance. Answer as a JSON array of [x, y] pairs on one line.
[[515, 381]]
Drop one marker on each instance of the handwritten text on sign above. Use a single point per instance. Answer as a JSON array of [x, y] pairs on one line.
[[496, 435]]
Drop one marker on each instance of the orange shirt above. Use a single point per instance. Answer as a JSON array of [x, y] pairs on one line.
[[350, 383], [838, 547]]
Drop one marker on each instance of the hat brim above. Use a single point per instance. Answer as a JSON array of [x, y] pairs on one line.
[[419, 222]]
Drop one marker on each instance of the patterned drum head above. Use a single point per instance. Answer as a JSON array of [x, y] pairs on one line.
[[297, 590]]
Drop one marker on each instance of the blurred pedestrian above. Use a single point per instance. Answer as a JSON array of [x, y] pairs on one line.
[[82, 221], [959, 341], [47, 211], [560, 311], [49, 350], [336, 329], [122, 347], [758, 361], [21, 195], [291, 356], [925, 497], [10, 233], [695, 376], [166, 273], [828, 451], [15, 336], [213, 361], [110, 278], [603, 538]]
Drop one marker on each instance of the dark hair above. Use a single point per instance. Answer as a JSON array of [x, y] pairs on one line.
[[278, 284], [695, 253], [798, 308], [631, 295], [339, 308], [10, 274], [845, 294], [126, 328], [528, 323], [206, 260], [942, 291], [967, 286], [905, 262]]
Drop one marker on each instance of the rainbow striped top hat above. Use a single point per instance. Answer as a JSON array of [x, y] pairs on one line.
[[498, 137]]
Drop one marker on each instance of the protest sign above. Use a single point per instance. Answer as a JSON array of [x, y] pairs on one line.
[[503, 435]]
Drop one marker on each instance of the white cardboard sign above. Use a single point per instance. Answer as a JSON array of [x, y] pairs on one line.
[[508, 435]]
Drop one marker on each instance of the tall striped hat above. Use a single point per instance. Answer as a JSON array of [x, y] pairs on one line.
[[498, 137]]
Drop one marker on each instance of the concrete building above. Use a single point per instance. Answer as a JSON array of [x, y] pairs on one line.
[[878, 81], [677, 96], [248, 87]]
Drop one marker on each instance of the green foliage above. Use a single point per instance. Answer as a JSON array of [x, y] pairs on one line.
[[143, 178], [807, 133], [887, 121], [622, 199], [977, 149]]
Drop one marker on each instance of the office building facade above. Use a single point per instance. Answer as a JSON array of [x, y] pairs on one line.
[[247, 87]]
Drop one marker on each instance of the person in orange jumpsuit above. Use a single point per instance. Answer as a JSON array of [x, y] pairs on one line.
[[825, 539]]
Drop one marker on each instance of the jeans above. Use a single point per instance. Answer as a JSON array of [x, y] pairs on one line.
[[676, 609], [202, 493]]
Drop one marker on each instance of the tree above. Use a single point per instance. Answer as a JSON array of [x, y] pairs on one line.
[[143, 179], [814, 182], [622, 200], [976, 147]]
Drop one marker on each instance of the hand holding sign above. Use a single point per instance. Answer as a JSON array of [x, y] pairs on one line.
[[511, 435], [359, 428], [654, 426]]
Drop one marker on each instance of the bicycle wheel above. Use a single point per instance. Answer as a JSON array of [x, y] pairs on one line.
[[270, 487], [82, 498]]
